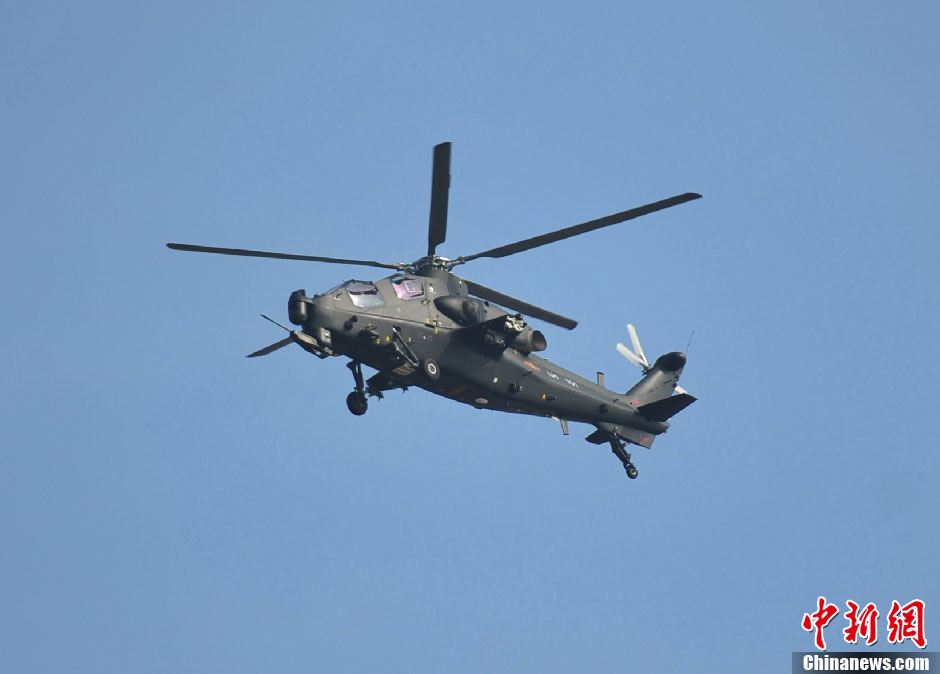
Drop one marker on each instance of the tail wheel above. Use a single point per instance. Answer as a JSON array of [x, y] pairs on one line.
[[431, 369]]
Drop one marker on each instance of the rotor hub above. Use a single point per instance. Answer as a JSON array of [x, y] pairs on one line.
[[429, 262]]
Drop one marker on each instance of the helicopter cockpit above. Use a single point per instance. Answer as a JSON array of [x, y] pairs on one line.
[[364, 294], [407, 288]]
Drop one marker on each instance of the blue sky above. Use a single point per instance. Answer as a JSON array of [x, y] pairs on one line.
[[171, 506]]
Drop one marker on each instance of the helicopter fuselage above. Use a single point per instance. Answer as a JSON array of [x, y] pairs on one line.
[[426, 331]]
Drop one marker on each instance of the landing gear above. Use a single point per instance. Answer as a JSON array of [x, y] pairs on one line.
[[431, 369], [618, 447], [356, 401]]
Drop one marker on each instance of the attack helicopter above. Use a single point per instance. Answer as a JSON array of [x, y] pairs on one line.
[[425, 326]]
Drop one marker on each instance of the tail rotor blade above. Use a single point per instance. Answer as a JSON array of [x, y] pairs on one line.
[[440, 186], [629, 355], [637, 349]]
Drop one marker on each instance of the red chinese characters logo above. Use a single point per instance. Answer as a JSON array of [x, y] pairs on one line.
[[818, 620], [903, 622], [907, 622], [862, 624]]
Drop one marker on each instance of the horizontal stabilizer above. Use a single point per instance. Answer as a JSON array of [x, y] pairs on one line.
[[598, 437], [661, 410], [637, 437]]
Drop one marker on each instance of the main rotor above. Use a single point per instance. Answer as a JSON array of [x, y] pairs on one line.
[[437, 234]]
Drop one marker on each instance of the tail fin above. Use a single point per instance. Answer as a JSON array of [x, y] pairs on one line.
[[653, 394], [659, 383]]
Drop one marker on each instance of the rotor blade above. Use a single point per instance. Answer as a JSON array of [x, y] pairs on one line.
[[629, 355], [637, 349], [589, 226], [440, 186], [280, 256], [271, 348], [523, 307]]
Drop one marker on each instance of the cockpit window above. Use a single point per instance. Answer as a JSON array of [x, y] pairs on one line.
[[407, 288], [364, 294]]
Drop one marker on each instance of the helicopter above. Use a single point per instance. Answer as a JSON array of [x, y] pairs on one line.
[[424, 326]]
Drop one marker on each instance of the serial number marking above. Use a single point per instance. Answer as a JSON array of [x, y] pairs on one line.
[[570, 382]]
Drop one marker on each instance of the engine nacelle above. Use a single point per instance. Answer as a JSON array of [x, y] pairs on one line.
[[529, 340], [464, 311]]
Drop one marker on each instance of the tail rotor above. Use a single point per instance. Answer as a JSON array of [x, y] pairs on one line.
[[637, 356]]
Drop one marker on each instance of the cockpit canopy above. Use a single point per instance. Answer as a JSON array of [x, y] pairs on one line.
[[364, 294], [407, 287]]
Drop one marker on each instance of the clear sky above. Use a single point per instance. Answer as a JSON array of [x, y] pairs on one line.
[[169, 506]]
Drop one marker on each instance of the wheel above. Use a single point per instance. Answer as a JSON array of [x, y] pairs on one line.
[[357, 403], [431, 369], [632, 472]]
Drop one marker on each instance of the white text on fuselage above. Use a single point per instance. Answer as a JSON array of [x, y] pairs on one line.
[[570, 382]]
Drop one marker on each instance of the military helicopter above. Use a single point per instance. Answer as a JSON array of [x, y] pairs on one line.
[[424, 326]]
